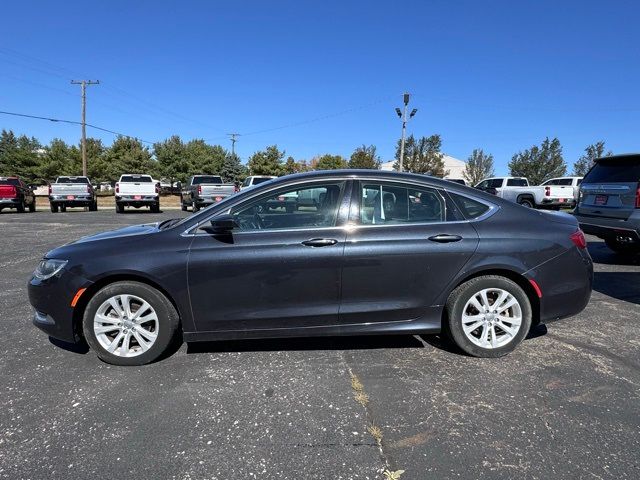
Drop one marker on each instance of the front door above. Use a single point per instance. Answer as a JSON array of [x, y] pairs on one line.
[[279, 269]]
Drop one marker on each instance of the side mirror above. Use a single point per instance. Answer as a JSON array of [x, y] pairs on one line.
[[222, 224]]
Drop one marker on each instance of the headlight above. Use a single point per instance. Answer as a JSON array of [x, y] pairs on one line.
[[48, 267]]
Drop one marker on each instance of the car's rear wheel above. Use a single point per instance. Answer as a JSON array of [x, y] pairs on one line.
[[54, 208], [488, 316], [526, 202], [183, 207], [194, 206], [625, 248], [20, 207], [129, 323], [32, 206], [119, 208]]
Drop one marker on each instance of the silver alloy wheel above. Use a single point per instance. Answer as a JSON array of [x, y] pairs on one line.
[[491, 318], [126, 325]]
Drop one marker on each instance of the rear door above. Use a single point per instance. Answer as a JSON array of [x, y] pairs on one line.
[[404, 248], [610, 189]]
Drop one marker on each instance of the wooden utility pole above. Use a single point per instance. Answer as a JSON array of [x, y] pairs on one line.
[[83, 88], [233, 142]]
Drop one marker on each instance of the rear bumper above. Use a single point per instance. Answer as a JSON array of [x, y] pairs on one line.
[[566, 283], [10, 202], [130, 200], [556, 202], [79, 200], [606, 227], [210, 200]]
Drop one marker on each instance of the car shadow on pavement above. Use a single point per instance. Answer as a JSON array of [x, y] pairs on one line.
[[365, 342], [81, 347], [603, 255], [620, 285]]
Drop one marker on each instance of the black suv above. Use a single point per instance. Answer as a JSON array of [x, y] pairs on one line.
[[609, 202]]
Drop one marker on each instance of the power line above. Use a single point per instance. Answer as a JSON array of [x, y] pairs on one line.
[[72, 122]]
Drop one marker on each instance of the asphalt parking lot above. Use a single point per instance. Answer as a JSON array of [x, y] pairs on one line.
[[565, 404]]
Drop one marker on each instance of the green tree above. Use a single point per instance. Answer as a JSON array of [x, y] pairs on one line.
[[232, 169], [479, 166], [204, 158], [422, 156], [128, 155], [8, 152], [586, 161], [539, 163], [171, 155], [365, 157], [330, 162], [22, 156], [57, 160], [267, 162], [97, 167]]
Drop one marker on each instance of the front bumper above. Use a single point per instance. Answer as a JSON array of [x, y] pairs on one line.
[[51, 300]]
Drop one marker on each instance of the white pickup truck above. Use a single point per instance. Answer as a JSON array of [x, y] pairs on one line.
[[518, 190], [72, 192], [133, 190]]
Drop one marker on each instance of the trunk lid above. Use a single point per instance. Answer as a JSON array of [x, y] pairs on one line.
[[611, 187]]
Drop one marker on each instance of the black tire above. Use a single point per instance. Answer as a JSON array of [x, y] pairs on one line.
[[20, 207], [183, 207], [54, 208], [119, 208], [168, 322], [194, 207], [457, 301], [155, 208], [93, 206], [526, 202], [63, 208], [622, 248], [32, 206]]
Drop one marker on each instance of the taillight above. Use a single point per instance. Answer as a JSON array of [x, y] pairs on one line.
[[88, 189], [157, 188], [117, 188], [49, 189], [547, 191], [236, 189], [578, 239], [638, 196], [199, 189]]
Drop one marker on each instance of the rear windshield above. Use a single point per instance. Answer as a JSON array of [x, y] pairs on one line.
[[10, 181], [72, 180], [136, 178], [206, 179], [517, 182], [622, 170], [258, 180]]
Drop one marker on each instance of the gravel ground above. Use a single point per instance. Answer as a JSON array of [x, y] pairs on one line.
[[565, 404]]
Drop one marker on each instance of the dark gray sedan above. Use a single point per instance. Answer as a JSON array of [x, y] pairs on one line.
[[375, 253]]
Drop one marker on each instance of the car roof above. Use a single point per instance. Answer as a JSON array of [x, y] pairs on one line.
[[622, 156]]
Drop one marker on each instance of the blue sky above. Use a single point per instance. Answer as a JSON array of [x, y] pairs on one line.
[[494, 75]]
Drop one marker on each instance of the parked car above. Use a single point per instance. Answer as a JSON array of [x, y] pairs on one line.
[[573, 182], [518, 190], [204, 190], [14, 193], [253, 180], [473, 265], [134, 190], [72, 192], [609, 202]]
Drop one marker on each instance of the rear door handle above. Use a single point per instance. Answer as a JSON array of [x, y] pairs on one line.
[[445, 238], [320, 242]]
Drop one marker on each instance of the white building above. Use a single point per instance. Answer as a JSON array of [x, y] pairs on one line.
[[454, 166]]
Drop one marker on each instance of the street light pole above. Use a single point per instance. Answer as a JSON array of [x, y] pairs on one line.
[[403, 116]]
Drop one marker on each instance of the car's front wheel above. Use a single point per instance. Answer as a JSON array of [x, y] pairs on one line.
[[488, 316], [129, 323]]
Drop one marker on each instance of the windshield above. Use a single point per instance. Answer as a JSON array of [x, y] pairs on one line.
[[206, 179], [135, 178], [72, 180], [622, 170]]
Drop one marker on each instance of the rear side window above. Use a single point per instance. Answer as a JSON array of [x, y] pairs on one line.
[[136, 179], [470, 208], [517, 182], [394, 204], [207, 179], [615, 170]]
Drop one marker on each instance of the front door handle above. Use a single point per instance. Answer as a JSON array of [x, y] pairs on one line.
[[445, 238], [320, 242]]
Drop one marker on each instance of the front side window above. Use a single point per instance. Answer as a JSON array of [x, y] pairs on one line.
[[303, 206], [395, 204], [495, 183]]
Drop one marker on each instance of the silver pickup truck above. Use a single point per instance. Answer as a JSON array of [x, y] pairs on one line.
[[72, 192], [203, 190]]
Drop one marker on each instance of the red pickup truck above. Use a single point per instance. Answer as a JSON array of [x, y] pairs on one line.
[[14, 193]]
